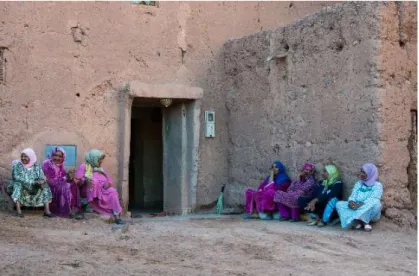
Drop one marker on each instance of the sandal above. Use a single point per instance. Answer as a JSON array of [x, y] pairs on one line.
[[20, 215], [367, 228], [312, 223], [264, 216], [249, 216], [321, 224], [283, 219], [358, 226], [120, 221], [335, 222], [50, 215]]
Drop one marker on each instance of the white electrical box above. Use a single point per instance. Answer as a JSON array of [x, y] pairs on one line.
[[209, 124]]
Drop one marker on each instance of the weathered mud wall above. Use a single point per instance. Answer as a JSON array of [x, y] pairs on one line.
[[63, 61], [315, 105], [325, 100], [398, 103]]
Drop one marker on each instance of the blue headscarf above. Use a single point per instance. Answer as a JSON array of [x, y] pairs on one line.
[[281, 177]]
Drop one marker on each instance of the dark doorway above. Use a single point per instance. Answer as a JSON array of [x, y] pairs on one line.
[[146, 157]]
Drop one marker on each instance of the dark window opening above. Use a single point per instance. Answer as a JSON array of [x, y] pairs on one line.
[[147, 3]]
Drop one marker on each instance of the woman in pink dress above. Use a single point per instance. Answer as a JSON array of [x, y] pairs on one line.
[[101, 194], [75, 205], [261, 200], [287, 200], [53, 168]]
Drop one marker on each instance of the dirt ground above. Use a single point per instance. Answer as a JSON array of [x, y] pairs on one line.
[[200, 245]]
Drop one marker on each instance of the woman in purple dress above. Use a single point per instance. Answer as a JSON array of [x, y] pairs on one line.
[[53, 168], [287, 200], [261, 200]]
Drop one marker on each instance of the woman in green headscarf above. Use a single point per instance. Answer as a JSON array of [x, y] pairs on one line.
[[321, 203], [97, 186]]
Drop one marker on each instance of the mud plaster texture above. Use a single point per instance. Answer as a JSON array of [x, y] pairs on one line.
[[64, 63], [342, 94]]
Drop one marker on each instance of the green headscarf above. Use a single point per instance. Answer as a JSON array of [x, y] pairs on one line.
[[92, 159], [333, 176]]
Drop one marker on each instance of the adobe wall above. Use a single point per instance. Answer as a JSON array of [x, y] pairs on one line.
[[398, 96], [325, 101], [65, 62]]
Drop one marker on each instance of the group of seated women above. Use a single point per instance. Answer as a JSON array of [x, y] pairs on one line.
[[279, 198], [64, 193]]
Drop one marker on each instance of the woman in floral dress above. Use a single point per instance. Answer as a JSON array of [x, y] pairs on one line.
[[29, 186]]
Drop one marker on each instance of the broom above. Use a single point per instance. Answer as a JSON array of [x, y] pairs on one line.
[[220, 201]]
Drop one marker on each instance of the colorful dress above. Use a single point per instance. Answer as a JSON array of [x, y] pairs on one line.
[[262, 198], [103, 200], [287, 200], [23, 187], [60, 189], [328, 192], [368, 192], [370, 211]]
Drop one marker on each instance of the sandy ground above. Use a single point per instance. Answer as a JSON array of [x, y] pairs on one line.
[[200, 245]]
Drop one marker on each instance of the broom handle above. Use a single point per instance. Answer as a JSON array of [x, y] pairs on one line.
[[222, 188]]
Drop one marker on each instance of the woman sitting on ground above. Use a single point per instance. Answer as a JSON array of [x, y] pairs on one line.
[[287, 200], [100, 193], [261, 200], [364, 204], [321, 203], [29, 186], [53, 168]]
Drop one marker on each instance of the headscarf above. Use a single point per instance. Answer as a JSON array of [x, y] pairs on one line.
[[50, 161], [372, 174], [32, 158], [282, 175], [309, 166], [92, 159], [312, 168], [333, 176]]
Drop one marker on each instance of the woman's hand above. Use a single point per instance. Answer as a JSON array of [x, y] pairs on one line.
[[106, 185], [311, 206], [271, 175], [359, 204], [352, 204]]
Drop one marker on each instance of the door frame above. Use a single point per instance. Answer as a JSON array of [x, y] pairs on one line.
[[138, 89]]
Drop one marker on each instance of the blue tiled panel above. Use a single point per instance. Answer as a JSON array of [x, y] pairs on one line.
[[70, 151]]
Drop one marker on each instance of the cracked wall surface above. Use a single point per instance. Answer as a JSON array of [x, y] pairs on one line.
[[66, 60], [336, 94]]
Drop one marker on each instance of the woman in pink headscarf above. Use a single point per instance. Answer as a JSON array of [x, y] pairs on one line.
[[287, 200], [364, 204], [28, 185], [55, 173]]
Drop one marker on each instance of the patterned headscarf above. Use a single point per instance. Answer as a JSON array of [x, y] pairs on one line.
[[333, 176], [92, 159], [372, 174], [32, 157]]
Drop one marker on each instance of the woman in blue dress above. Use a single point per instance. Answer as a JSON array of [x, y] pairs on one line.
[[364, 204]]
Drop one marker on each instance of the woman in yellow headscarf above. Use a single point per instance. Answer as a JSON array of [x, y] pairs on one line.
[[321, 203], [100, 191]]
